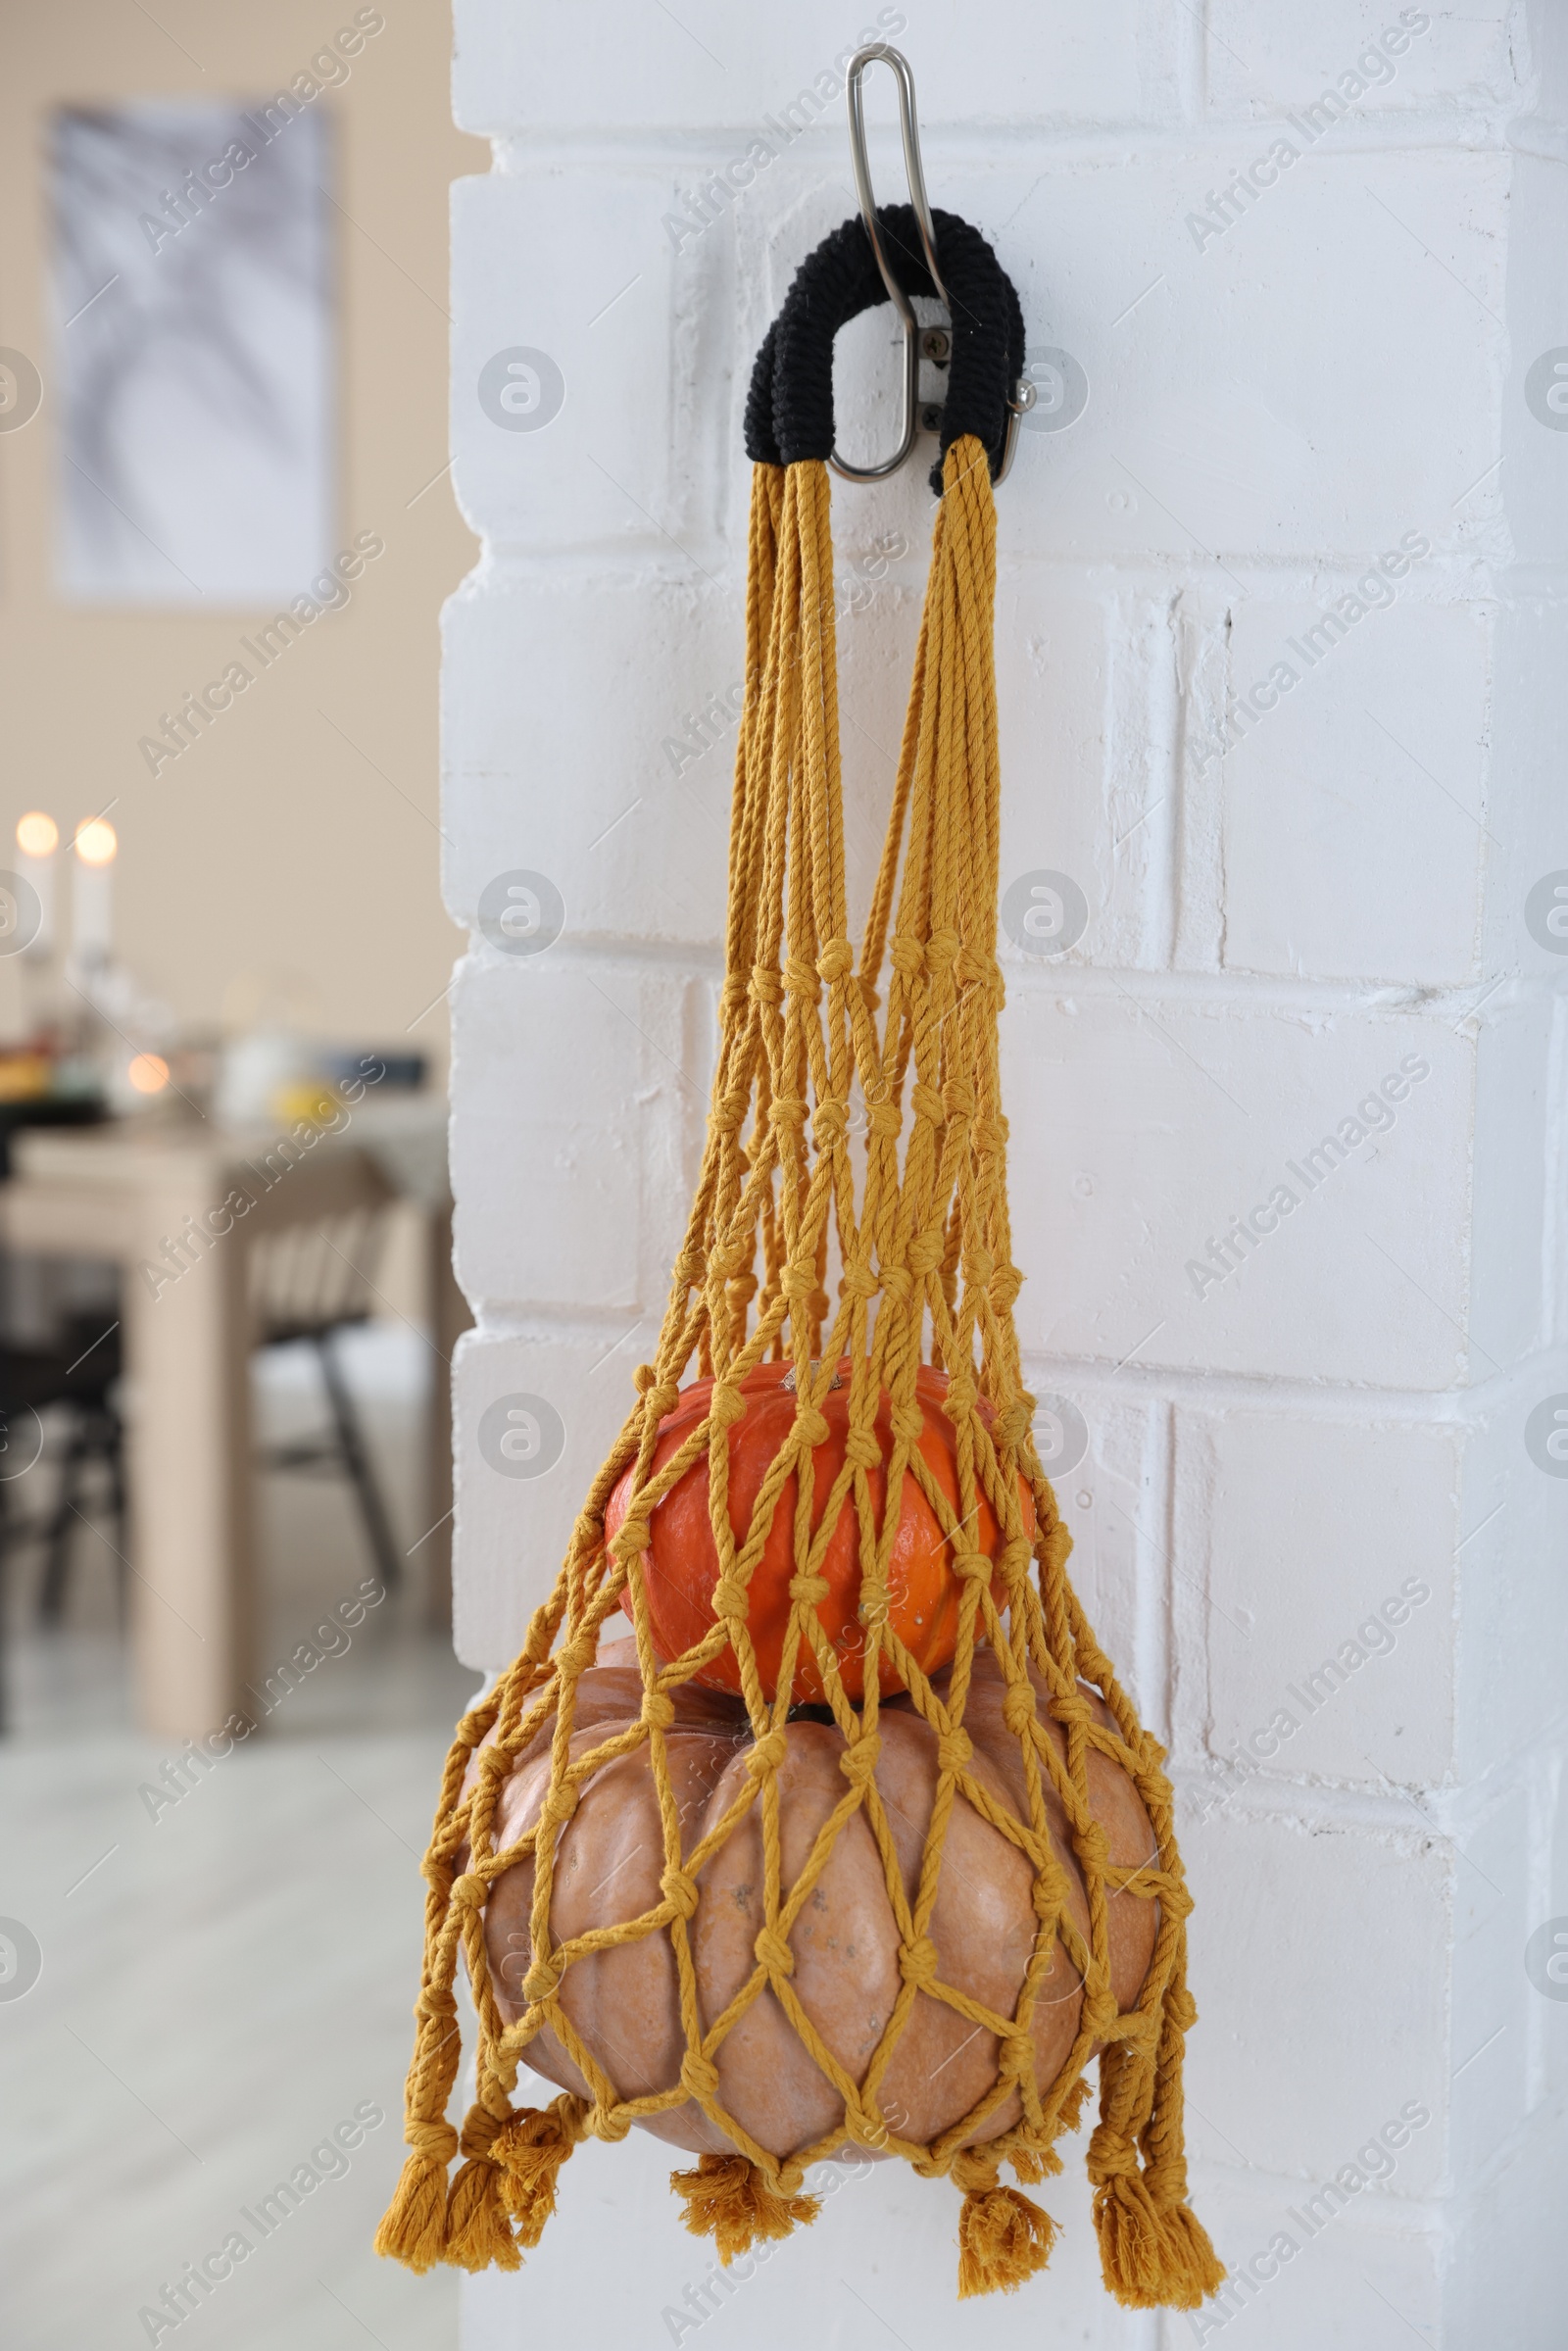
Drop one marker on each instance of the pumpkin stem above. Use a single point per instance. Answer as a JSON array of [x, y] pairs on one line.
[[728, 2199]]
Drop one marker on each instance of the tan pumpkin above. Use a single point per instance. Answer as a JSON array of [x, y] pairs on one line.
[[845, 1946]]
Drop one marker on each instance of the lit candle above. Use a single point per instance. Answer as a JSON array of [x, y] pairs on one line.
[[37, 839], [92, 891]]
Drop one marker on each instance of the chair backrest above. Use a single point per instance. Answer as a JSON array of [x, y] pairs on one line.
[[309, 1278]]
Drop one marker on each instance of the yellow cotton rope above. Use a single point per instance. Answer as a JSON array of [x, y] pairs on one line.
[[923, 1245]]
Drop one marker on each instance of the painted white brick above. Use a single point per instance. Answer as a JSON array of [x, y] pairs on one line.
[[632, 458], [1513, 1595], [1293, 1538], [1492, 1993], [1297, 1924], [1357, 816], [525, 67], [1352, 2279], [1207, 445], [597, 779], [576, 1131], [1142, 1131], [1499, 2287], [1259, 70], [513, 1532], [1530, 487]]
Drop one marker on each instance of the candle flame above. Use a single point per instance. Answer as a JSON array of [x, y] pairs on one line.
[[96, 841], [37, 835]]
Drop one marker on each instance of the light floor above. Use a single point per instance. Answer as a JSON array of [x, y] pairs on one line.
[[223, 1985]]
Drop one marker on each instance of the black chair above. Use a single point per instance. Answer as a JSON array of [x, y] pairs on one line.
[[307, 1283], [78, 1373]]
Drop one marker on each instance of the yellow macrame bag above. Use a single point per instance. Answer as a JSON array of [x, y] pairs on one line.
[[790, 1200]]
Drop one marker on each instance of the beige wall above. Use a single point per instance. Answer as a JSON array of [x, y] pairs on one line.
[[273, 845]]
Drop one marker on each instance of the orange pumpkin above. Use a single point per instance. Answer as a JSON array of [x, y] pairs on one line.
[[681, 1563]]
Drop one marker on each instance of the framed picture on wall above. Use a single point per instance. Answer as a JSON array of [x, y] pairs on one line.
[[193, 351]]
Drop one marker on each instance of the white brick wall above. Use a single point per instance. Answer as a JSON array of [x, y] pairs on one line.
[[1274, 929]]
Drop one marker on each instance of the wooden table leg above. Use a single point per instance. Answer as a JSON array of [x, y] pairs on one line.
[[448, 1317], [192, 1544]]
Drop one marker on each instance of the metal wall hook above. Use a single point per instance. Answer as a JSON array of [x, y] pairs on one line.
[[910, 129], [1022, 396]]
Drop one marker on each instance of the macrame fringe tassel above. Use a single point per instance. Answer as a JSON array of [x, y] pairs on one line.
[[729, 2199], [1004, 2239], [1154, 2257], [478, 2231], [531, 2150], [1134, 2255], [413, 2226]]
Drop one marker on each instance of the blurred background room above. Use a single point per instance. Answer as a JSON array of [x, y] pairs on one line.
[[226, 534]]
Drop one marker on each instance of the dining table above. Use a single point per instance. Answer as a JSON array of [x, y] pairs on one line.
[[123, 1191]]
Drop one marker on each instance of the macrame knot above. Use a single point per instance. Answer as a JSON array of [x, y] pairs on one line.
[[662, 1398], [836, 959], [957, 1101], [699, 2075], [774, 1953], [730, 1110], [659, 1709], [1015, 2060], [733, 994], [479, 2128], [917, 1961], [470, 1891], [1018, 1708], [942, 951], [726, 1405], [830, 1122], [1010, 1425], [1071, 1706], [925, 1253], [955, 1750], [681, 1892], [799, 1283], [643, 1378], [812, 1590], [543, 1981], [977, 1566], [800, 978], [906, 956], [767, 1754], [989, 1133], [861, 1449], [1113, 2155], [559, 1804], [883, 1119], [858, 1763], [812, 1426], [436, 2142], [767, 984], [436, 2004], [1181, 2009], [858, 1281], [1005, 1283], [576, 1656], [730, 1600], [926, 1103], [909, 1423], [630, 1538], [898, 1283]]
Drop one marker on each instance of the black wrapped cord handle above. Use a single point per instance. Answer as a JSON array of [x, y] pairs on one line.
[[789, 408]]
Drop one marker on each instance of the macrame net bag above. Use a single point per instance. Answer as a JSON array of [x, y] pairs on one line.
[[849, 1241]]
